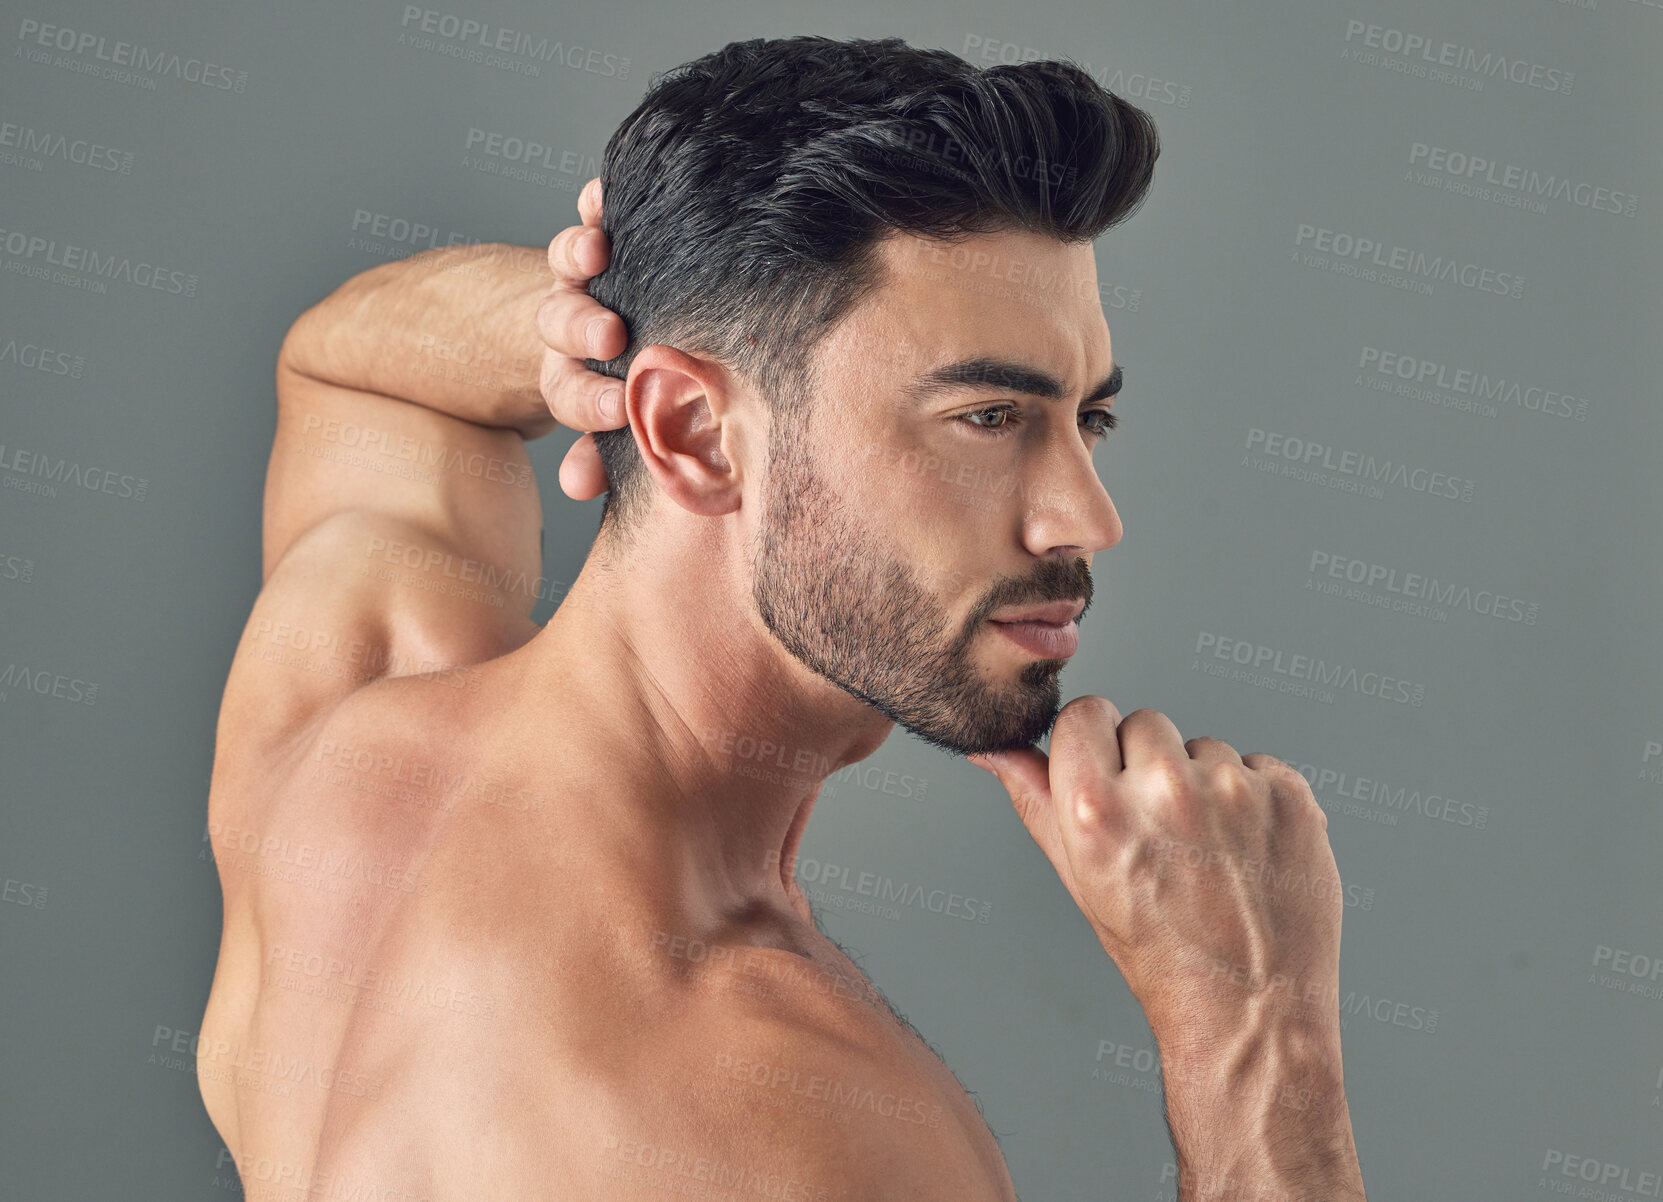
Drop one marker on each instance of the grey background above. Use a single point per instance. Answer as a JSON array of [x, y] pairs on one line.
[[1538, 1051]]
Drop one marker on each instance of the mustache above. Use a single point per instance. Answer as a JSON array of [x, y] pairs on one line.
[[1053, 580]]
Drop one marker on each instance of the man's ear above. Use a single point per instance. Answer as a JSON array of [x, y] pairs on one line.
[[682, 410]]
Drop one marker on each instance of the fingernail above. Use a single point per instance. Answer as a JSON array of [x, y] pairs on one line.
[[612, 404], [592, 335]]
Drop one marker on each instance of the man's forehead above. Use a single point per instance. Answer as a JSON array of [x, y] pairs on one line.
[[1010, 297]]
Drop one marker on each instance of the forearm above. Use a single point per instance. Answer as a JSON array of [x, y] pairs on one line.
[[1261, 1116], [451, 329]]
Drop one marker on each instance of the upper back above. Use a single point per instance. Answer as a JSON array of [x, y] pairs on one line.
[[452, 1005]]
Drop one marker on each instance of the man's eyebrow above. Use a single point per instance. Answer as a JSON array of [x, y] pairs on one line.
[[1004, 375]]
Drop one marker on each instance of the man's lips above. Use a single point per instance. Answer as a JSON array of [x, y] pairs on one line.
[[1050, 640]]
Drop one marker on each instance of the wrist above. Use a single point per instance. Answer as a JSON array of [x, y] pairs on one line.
[[1258, 1112], [452, 329]]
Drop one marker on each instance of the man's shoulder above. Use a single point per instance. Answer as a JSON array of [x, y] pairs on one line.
[[345, 616], [730, 1094]]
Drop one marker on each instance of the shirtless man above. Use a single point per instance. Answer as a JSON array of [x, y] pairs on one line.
[[507, 915]]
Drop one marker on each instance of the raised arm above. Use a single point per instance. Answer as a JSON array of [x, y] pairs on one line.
[[401, 525], [1208, 878]]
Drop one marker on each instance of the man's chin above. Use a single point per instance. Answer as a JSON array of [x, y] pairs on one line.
[[1015, 724]]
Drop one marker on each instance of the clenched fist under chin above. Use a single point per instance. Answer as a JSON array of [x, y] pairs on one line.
[[1206, 875]]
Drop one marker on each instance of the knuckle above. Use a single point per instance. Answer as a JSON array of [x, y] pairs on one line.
[[1090, 706], [577, 332], [548, 317], [1085, 714], [1208, 743], [1166, 779], [1090, 812], [554, 380], [1292, 786], [566, 253], [1229, 781]]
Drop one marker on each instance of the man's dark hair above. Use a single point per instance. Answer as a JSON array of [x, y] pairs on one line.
[[746, 195]]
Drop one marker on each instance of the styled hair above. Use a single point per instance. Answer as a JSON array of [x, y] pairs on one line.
[[746, 195]]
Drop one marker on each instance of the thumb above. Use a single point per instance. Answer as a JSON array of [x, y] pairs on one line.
[[1026, 776], [582, 474]]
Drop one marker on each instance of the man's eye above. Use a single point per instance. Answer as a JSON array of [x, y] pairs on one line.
[[1001, 411], [1109, 422], [1103, 420]]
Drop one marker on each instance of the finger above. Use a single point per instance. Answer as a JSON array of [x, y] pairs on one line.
[[589, 202], [573, 323], [577, 397], [1026, 776], [578, 252], [1261, 762], [582, 475], [1085, 767], [1207, 750], [1147, 736], [1290, 781]]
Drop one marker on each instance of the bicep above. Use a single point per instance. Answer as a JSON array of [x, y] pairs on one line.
[[343, 449], [395, 540], [343, 609]]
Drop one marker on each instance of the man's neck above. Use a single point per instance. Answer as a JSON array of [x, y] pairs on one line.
[[716, 738]]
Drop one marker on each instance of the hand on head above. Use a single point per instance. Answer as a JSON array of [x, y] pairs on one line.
[[574, 326]]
